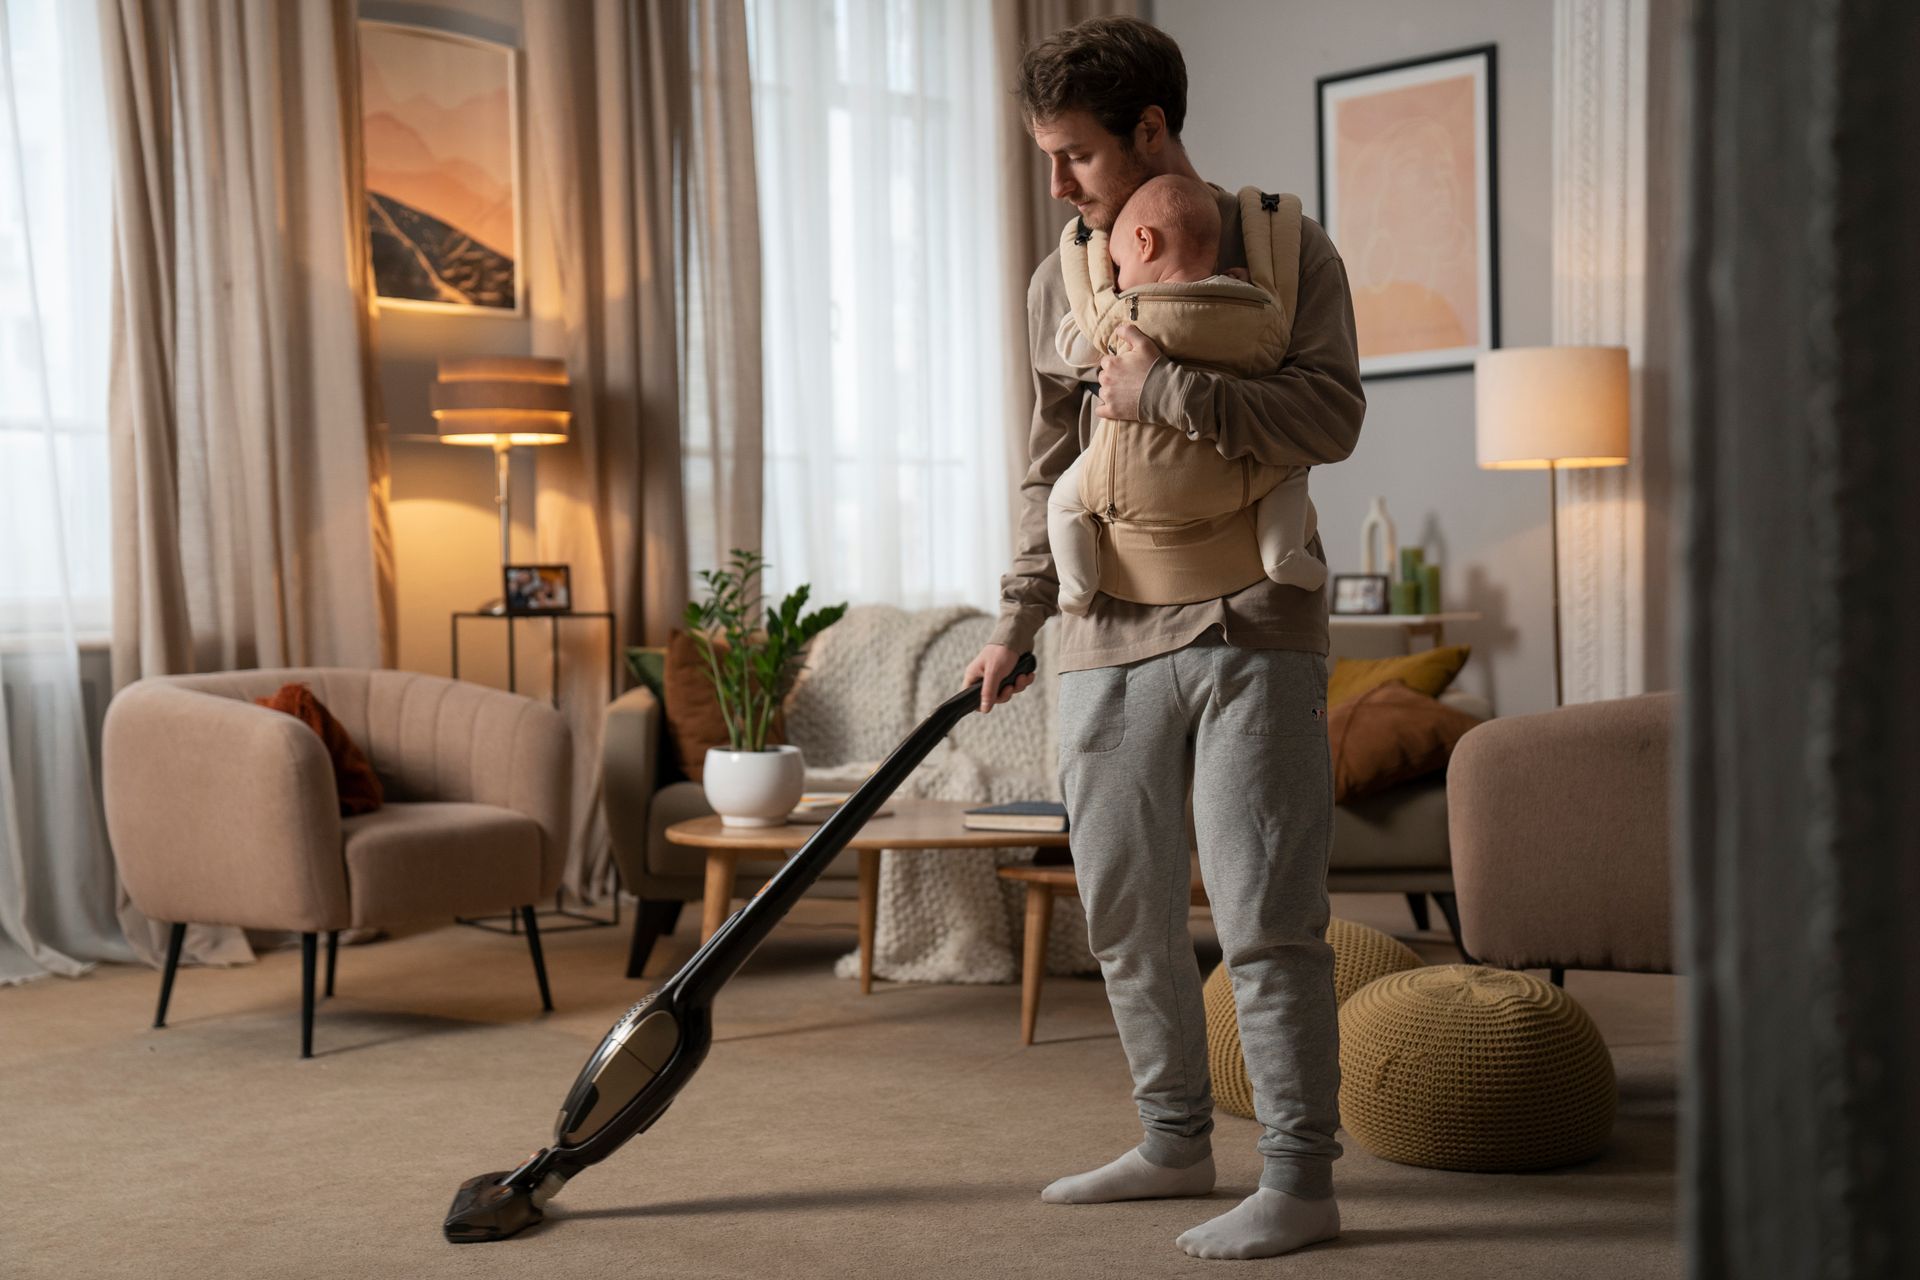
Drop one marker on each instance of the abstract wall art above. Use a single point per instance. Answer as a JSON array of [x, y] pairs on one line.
[[440, 135], [1408, 193]]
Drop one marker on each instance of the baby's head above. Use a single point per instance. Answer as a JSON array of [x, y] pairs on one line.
[[1168, 230]]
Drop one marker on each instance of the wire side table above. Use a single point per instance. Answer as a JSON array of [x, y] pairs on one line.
[[579, 919]]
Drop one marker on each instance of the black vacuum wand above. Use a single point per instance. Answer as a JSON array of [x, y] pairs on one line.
[[655, 1048]]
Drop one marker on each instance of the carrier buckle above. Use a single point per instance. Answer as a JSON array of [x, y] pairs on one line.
[[1269, 203], [1082, 235]]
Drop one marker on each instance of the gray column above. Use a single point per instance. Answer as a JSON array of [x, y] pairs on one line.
[[1798, 430]]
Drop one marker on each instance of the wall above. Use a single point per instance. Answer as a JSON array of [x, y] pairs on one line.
[[1251, 66], [445, 527]]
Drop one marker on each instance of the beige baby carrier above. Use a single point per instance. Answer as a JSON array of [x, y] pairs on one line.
[[1177, 517]]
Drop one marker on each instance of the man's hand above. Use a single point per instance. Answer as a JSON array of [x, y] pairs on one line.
[[1123, 376], [992, 665]]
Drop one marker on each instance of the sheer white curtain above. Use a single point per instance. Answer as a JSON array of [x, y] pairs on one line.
[[57, 890], [875, 130]]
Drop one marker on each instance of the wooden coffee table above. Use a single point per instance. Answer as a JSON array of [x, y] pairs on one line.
[[911, 824]]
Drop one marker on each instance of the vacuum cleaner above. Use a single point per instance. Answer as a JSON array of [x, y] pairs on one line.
[[656, 1046]]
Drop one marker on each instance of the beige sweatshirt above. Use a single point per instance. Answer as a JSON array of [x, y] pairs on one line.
[[1307, 414]]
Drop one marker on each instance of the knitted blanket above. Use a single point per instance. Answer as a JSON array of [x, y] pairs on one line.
[[943, 915]]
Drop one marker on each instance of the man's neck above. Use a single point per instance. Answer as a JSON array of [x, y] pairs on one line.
[[1174, 160]]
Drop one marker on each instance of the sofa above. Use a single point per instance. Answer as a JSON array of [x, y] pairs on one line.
[[1561, 838], [1396, 842]]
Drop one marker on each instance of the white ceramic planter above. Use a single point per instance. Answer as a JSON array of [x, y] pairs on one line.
[[754, 788]]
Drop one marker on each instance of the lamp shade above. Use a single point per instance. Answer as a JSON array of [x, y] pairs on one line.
[[489, 399], [1558, 406]]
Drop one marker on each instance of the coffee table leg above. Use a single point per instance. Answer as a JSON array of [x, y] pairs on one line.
[[719, 891], [1034, 962], [869, 912]]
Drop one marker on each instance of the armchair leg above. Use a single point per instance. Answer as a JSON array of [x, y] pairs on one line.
[[655, 920], [1558, 976], [175, 937], [309, 954], [539, 960], [1417, 903], [1450, 908], [333, 954]]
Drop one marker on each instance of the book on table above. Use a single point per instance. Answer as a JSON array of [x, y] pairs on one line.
[[1021, 815], [818, 806]]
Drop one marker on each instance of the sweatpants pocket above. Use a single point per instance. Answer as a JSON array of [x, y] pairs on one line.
[[1093, 709], [1276, 693]]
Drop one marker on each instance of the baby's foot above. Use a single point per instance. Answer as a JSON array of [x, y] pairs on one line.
[[1265, 1224], [1131, 1177], [1298, 569]]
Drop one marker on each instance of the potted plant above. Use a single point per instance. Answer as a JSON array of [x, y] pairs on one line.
[[748, 783]]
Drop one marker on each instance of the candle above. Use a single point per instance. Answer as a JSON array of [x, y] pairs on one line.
[[1430, 588], [1406, 597]]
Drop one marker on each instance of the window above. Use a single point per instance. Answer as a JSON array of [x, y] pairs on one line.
[[55, 256], [885, 359]]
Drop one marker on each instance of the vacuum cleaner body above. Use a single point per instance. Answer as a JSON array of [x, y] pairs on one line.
[[653, 1050]]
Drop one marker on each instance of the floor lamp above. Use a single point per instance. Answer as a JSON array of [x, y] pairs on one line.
[[1552, 408], [501, 401]]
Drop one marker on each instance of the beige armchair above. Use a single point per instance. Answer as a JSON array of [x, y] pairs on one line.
[[1560, 838], [223, 812]]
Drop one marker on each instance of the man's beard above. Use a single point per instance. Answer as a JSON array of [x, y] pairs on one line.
[[1106, 211]]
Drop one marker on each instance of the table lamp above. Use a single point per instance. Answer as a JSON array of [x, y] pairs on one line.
[[501, 401], [1551, 408]]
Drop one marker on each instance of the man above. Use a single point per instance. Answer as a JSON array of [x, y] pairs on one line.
[[1227, 696]]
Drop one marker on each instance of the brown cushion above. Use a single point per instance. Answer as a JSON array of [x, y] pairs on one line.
[[1390, 735], [353, 776], [1429, 671], [694, 720]]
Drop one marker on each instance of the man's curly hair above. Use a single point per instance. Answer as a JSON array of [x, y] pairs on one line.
[[1112, 68]]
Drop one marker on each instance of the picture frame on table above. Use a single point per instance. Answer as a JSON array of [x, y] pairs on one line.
[[1409, 193], [1360, 593], [537, 588], [441, 152]]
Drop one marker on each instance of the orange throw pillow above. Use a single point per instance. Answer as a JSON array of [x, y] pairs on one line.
[[353, 776], [1389, 735], [694, 720]]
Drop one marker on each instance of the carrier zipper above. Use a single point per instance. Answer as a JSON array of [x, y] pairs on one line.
[[1111, 511]]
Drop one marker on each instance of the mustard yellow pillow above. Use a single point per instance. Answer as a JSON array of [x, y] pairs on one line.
[[1430, 671]]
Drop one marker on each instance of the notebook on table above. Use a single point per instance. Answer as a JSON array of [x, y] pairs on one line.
[[1021, 815]]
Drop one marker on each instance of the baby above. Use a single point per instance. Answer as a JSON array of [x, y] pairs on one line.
[[1169, 231]]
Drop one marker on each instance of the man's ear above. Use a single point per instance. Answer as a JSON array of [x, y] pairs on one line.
[[1150, 133]]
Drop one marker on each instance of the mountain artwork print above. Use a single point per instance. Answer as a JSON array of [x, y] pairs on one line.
[[438, 123]]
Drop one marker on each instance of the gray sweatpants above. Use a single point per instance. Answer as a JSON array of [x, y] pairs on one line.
[[1248, 727]]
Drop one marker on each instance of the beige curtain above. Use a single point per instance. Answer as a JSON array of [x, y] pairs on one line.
[[1031, 219], [250, 521], [646, 279]]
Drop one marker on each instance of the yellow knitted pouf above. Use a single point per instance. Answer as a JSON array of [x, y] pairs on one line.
[[1464, 1067], [1360, 955]]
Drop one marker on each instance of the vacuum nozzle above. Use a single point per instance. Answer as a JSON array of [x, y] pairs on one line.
[[495, 1206]]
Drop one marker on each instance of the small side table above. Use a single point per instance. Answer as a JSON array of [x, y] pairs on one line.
[[580, 919], [553, 630], [913, 824]]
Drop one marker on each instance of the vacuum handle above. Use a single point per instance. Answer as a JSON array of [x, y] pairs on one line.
[[722, 955]]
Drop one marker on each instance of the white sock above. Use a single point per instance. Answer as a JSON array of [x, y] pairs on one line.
[[1299, 569], [1265, 1224], [1131, 1177]]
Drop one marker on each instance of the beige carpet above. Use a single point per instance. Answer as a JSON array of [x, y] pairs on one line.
[[902, 1134]]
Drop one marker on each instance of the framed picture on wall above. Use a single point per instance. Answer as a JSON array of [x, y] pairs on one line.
[[440, 130], [1408, 192]]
